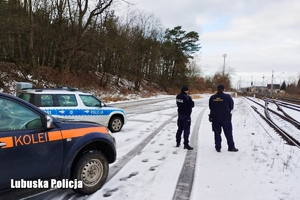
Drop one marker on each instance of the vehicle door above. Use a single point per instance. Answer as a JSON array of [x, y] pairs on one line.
[[65, 106], [94, 110], [27, 149]]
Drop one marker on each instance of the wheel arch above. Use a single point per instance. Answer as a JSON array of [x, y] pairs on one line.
[[101, 144], [117, 115]]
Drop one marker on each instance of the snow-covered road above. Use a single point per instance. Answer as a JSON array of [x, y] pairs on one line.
[[150, 167]]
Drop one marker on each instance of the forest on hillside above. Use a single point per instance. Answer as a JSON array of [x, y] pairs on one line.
[[75, 37], [78, 43]]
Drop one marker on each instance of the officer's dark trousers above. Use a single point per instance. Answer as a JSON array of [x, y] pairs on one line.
[[227, 128], [184, 124]]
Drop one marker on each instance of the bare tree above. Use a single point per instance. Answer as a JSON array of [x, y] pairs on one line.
[[75, 36]]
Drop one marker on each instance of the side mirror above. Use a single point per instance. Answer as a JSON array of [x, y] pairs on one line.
[[49, 121], [103, 104]]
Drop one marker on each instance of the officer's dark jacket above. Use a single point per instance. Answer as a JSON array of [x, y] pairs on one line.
[[184, 103], [220, 105]]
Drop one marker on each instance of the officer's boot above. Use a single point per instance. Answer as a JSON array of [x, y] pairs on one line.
[[177, 143], [188, 147]]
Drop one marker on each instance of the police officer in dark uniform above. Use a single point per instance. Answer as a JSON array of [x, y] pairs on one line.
[[185, 104], [220, 105]]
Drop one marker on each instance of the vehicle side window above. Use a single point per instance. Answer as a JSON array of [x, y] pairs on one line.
[[90, 101], [47, 100], [25, 96], [14, 116], [67, 100]]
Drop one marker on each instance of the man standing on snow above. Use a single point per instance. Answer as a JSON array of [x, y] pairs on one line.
[[220, 105], [185, 104]]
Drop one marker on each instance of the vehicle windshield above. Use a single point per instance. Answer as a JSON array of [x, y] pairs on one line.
[[14, 116]]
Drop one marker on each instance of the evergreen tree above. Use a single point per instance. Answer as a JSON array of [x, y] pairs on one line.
[[179, 48], [283, 86]]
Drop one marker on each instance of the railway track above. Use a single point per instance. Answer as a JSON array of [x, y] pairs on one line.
[[290, 100], [283, 99], [267, 117], [287, 116], [288, 105]]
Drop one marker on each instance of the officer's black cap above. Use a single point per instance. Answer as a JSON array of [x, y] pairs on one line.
[[184, 88], [221, 87]]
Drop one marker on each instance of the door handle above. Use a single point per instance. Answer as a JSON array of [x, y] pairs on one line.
[[2, 144]]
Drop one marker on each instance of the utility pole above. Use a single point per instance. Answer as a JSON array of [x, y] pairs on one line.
[[224, 55], [271, 93], [272, 85]]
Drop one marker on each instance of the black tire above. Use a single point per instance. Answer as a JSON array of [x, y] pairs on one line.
[[92, 170], [115, 124]]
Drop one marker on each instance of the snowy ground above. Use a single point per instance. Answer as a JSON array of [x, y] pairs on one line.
[[264, 168], [149, 165]]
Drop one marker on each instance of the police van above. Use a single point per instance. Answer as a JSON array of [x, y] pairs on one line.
[[71, 103], [36, 147]]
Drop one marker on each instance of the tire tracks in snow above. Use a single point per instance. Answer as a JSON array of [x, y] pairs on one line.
[[186, 177], [183, 188], [69, 194], [135, 151]]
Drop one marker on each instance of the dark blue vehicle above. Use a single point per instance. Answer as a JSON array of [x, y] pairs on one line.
[[35, 146]]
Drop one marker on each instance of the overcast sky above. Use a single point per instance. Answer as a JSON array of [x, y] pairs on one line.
[[257, 36]]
